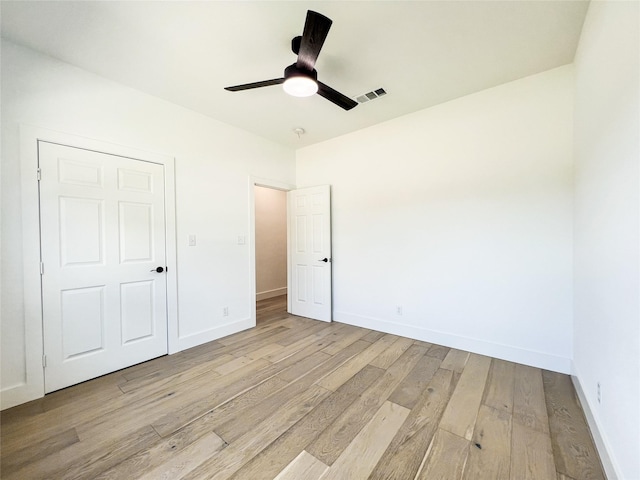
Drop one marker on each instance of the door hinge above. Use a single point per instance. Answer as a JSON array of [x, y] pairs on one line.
[[44, 361], [39, 173], [41, 268]]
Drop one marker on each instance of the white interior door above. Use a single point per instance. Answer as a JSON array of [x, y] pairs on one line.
[[102, 241], [309, 222]]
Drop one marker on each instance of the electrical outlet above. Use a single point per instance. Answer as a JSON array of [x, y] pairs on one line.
[[398, 309], [599, 392], [192, 240], [225, 312]]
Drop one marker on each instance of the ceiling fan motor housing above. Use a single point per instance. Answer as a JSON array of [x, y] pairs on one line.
[[293, 71]]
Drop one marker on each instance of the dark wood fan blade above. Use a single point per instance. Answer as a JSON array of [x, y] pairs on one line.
[[316, 28], [335, 96], [249, 86]]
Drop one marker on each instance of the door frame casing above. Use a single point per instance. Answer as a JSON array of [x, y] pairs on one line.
[[276, 185], [33, 386]]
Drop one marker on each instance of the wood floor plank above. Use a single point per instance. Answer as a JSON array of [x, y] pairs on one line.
[[438, 351], [348, 369], [409, 390], [349, 335], [103, 387], [247, 418], [159, 364], [269, 349], [111, 452], [304, 466], [306, 373], [46, 423], [143, 374], [372, 336], [86, 460], [446, 457], [160, 452], [407, 450], [225, 388], [305, 366], [391, 354], [153, 382], [135, 412], [278, 454], [573, 448], [103, 429], [498, 393], [221, 467], [205, 398], [369, 445], [166, 398], [233, 365], [455, 360], [298, 334], [328, 335], [490, 448], [187, 459], [564, 477], [245, 338], [334, 439], [297, 347], [260, 341], [154, 409], [460, 416], [39, 450], [246, 401], [272, 317], [531, 454], [530, 407]]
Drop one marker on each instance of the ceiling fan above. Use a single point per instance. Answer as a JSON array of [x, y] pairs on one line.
[[300, 78]]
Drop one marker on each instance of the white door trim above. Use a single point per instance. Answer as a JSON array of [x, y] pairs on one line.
[[33, 385], [276, 185]]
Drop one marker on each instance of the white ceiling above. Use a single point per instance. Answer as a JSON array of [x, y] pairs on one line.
[[421, 52]]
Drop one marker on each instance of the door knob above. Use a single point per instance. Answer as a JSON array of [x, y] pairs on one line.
[[159, 270], [325, 260]]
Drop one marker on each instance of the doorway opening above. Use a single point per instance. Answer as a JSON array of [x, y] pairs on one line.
[[308, 250], [270, 252]]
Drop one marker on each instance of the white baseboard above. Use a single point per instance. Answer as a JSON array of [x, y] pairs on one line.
[[18, 394], [276, 292], [504, 352], [608, 463], [220, 331]]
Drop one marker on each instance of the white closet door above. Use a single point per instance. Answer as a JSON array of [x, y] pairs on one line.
[[103, 244]]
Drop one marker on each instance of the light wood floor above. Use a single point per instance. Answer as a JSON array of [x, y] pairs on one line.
[[304, 400]]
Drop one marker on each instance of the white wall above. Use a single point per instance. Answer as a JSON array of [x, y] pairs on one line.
[[213, 164], [271, 242], [462, 215], [607, 233]]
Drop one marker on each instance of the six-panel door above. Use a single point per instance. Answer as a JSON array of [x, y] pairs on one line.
[[310, 252], [103, 237]]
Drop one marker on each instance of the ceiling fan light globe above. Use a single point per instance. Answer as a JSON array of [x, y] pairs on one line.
[[300, 86]]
